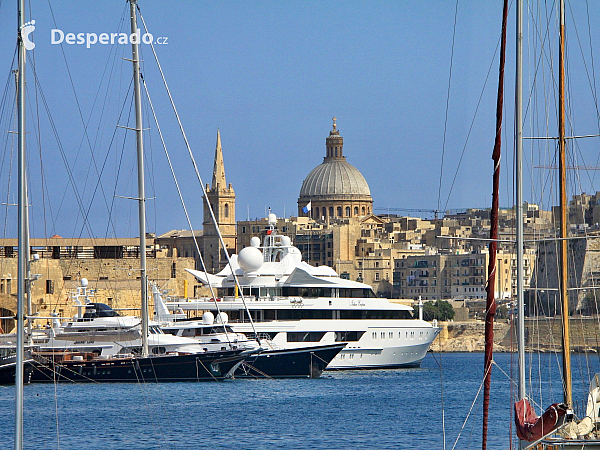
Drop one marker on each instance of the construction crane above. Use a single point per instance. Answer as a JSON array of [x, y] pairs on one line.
[[434, 211]]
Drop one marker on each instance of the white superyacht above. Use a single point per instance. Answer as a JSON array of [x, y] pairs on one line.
[[296, 304]]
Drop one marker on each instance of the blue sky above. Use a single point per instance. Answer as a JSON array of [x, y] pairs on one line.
[[270, 75]]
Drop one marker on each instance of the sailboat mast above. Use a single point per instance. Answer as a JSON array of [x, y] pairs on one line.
[[491, 280], [22, 233], [140, 170], [519, 201], [563, 214]]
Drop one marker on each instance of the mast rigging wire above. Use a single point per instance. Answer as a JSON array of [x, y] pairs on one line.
[[187, 216], [193, 160]]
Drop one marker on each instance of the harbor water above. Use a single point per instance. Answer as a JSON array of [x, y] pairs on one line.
[[436, 406]]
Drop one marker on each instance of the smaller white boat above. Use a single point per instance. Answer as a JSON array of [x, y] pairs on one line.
[[99, 329]]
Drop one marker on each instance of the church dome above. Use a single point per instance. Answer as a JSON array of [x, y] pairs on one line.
[[335, 188], [334, 178]]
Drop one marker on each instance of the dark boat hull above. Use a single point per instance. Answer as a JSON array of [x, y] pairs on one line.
[[8, 370], [303, 362], [213, 366]]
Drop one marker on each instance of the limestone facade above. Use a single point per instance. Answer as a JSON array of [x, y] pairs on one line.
[[110, 265]]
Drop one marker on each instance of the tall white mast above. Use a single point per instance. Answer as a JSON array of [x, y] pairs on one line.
[[23, 251], [140, 170], [519, 200], [562, 143]]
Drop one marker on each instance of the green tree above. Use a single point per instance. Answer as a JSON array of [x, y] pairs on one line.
[[439, 310]]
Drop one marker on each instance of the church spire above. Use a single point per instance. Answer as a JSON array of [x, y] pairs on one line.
[[218, 178]]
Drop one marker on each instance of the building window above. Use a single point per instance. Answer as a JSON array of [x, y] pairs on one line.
[[363, 210], [377, 276], [331, 211], [339, 211], [356, 210], [226, 210], [317, 212], [347, 211], [49, 287]]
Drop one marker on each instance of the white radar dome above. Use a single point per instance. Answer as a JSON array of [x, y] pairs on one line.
[[255, 242], [222, 318], [272, 218], [250, 259], [208, 318], [286, 241], [84, 282]]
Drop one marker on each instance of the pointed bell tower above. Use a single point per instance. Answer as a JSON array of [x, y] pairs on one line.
[[222, 200]]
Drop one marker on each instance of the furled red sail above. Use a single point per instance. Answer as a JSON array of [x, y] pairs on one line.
[[530, 427]]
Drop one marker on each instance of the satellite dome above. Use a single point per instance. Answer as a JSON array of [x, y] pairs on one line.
[[250, 259], [222, 318], [208, 318], [255, 242]]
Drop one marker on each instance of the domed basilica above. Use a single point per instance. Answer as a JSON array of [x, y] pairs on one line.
[[335, 188]]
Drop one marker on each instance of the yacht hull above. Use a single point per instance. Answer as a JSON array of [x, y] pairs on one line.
[[8, 368], [380, 358], [214, 366], [304, 362], [383, 344]]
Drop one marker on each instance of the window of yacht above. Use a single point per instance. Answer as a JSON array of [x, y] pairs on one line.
[[356, 293], [311, 336], [262, 335], [95, 310], [348, 336], [298, 314], [316, 314], [378, 315]]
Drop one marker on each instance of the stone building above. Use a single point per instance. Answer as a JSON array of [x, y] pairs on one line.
[[583, 262], [335, 189], [111, 266], [437, 276]]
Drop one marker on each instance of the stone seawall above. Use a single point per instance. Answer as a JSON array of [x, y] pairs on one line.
[[541, 334]]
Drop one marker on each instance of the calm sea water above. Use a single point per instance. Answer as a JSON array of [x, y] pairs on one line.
[[384, 409]]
